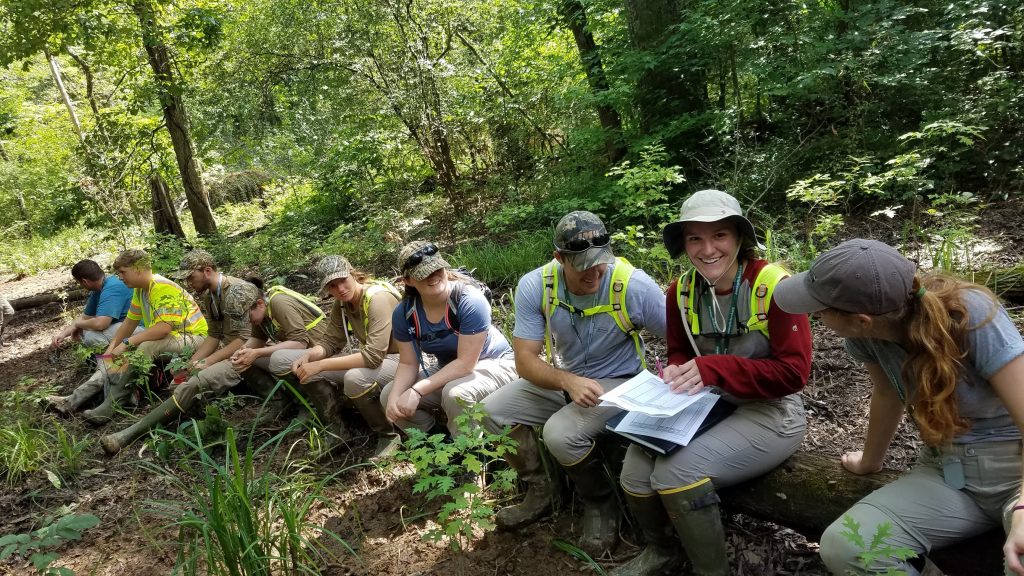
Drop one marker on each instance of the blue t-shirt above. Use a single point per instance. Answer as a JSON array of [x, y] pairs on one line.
[[438, 339], [112, 300], [595, 346], [992, 341]]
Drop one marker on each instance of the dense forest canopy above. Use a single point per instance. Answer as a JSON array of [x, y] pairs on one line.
[[350, 126]]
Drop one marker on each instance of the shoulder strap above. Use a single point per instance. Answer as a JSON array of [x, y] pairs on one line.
[[685, 290], [372, 290], [318, 314], [621, 275], [761, 296], [451, 312], [548, 303]]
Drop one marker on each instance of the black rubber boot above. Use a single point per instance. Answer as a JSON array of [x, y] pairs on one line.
[[698, 523], [117, 393], [368, 404], [262, 383], [662, 553], [540, 489], [323, 396], [167, 411], [600, 509]]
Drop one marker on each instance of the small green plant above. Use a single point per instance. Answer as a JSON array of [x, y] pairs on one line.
[[503, 264], [877, 549], [579, 554], [23, 449], [236, 518], [69, 455], [641, 192], [38, 546], [450, 470], [26, 396]]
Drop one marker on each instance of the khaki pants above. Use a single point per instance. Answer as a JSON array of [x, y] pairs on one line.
[[210, 382], [569, 429], [489, 375], [925, 513], [755, 438], [153, 349]]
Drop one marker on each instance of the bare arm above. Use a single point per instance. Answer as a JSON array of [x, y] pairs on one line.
[[885, 415], [530, 365], [125, 330], [1009, 385]]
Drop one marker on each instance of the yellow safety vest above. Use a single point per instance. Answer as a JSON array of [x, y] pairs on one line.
[[760, 298], [616, 305], [369, 292], [309, 304]]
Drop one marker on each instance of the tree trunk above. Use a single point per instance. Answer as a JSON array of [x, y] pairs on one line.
[[176, 118], [43, 299], [165, 218], [666, 90], [808, 492], [574, 15], [59, 81]]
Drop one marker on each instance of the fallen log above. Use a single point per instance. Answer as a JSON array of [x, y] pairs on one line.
[[47, 298], [808, 492]]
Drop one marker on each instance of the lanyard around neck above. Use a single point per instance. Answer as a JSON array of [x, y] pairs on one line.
[[722, 337]]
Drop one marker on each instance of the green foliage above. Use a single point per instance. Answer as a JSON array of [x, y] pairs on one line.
[[641, 191], [876, 550], [501, 264], [449, 470], [237, 518], [166, 251], [645, 249], [38, 546], [25, 257]]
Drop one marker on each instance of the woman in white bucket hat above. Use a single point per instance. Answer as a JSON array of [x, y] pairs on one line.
[[725, 333]]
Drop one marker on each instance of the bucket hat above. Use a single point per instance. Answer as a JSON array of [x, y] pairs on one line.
[[859, 276], [705, 206]]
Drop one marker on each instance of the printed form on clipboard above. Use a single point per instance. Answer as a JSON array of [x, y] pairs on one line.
[[648, 426]]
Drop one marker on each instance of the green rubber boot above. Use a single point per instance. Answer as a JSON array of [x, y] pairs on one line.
[[71, 403], [368, 404], [324, 398], [540, 489], [167, 411], [600, 509], [662, 553], [263, 383], [698, 523], [117, 393]]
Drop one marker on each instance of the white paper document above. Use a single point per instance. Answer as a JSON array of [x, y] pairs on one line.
[[678, 429], [647, 394]]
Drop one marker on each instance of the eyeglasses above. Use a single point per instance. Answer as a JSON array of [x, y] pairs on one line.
[[584, 244], [418, 256]]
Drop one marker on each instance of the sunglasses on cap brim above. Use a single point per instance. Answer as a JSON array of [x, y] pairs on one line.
[[584, 244], [418, 256]]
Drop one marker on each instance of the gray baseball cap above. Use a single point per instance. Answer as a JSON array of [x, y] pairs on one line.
[[582, 226], [194, 260], [331, 268], [859, 276], [429, 256], [705, 206], [238, 299]]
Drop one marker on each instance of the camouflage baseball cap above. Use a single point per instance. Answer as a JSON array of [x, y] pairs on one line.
[[583, 226], [194, 260], [239, 298], [420, 259], [332, 268]]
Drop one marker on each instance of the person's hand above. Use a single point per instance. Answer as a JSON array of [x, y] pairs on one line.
[[306, 370], [408, 403], [683, 378], [584, 391], [391, 411], [299, 362], [243, 358], [855, 463], [1014, 546], [57, 340]]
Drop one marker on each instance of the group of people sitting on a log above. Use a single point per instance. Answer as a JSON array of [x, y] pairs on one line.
[[940, 348]]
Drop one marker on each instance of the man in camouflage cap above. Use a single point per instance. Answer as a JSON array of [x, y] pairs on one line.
[[564, 308], [209, 372], [284, 325]]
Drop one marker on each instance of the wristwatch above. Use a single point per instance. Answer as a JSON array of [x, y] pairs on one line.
[[128, 344]]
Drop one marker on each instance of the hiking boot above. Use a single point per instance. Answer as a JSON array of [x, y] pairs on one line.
[[539, 489], [661, 554], [600, 509], [698, 523], [117, 393], [167, 411], [368, 404]]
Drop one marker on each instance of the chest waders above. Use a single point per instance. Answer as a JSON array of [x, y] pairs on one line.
[[692, 510]]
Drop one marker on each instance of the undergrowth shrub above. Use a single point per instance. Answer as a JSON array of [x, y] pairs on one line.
[[39, 547]]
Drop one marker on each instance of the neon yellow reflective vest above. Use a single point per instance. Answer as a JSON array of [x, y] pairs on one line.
[[374, 288], [318, 314], [616, 306], [760, 298]]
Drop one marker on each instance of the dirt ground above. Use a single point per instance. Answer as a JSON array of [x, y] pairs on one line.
[[373, 508]]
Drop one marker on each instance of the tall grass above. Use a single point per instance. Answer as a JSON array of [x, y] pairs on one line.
[[23, 257], [237, 518], [502, 264]]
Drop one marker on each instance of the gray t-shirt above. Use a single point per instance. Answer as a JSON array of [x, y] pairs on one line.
[[992, 344], [594, 346]]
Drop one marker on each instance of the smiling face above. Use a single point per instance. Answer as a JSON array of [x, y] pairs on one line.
[[585, 282], [713, 248], [433, 287], [345, 289]]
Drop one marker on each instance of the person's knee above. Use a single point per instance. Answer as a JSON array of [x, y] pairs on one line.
[[837, 551], [94, 339], [556, 438], [635, 477], [355, 383]]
